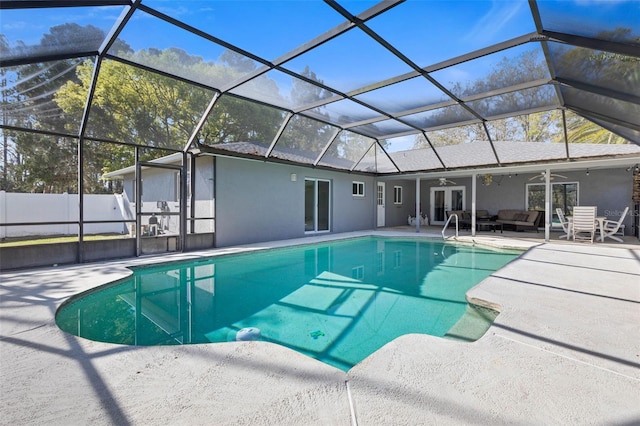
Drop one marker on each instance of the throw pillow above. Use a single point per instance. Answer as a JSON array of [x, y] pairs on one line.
[[522, 217]]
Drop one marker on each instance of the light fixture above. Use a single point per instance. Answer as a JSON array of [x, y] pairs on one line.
[[294, 177], [587, 172]]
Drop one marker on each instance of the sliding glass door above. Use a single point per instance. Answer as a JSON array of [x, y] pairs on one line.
[[317, 205], [563, 195]]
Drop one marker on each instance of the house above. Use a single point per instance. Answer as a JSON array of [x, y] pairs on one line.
[[252, 201]]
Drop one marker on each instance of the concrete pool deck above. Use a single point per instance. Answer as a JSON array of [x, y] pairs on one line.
[[565, 349]]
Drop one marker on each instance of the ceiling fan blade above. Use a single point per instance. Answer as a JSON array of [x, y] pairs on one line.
[[551, 176]]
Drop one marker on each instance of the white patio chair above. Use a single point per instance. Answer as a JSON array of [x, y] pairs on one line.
[[566, 226], [611, 227], [584, 223]]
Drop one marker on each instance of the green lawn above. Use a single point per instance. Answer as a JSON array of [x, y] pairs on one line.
[[28, 241]]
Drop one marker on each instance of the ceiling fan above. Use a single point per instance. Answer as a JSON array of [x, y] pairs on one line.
[[542, 175], [444, 181]]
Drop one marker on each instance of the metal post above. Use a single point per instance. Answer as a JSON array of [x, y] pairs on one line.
[[138, 186], [418, 216], [80, 256], [547, 204], [183, 202], [192, 191], [474, 179]]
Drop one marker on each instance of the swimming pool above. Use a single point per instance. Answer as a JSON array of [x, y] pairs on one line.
[[337, 302]]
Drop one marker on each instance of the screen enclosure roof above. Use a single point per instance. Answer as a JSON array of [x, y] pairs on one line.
[[389, 87]]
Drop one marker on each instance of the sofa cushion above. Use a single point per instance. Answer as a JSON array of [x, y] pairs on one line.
[[521, 217], [508, 214], [533, 216]]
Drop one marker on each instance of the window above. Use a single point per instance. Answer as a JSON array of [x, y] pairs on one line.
[[397, 195], [563, 195], [357, 273], [358, 189], [397, 259]]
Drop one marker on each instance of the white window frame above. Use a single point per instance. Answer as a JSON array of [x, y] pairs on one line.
[[397, 195], [553, 207], [357, 188]]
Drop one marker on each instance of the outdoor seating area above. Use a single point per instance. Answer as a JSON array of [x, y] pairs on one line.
[[520, 220], [464, 217], [585, 225], [516, 220]]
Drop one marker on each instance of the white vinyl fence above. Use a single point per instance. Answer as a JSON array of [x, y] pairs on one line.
[[21, 208]]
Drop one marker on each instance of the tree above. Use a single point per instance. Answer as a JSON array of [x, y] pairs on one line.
[[30, 105], [50, 166], [141, 107], [602, 69], [6, 183], [302, 133], [581, 130], [130, 106], [596, 68], [238, 120]]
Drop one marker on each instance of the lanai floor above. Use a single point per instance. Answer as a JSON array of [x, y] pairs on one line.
[[565, 349]]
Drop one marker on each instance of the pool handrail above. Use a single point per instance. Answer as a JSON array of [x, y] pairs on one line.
[[447, 224]]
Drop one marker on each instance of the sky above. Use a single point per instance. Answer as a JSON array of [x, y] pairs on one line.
[[426, 31]]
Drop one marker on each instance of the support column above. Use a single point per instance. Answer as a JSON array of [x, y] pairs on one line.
[[3, 214], [547, 204], [474, 180], [418, 217], [138, 199]]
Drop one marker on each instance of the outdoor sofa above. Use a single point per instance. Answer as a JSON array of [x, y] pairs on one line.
[[464, 217], [519, 220]]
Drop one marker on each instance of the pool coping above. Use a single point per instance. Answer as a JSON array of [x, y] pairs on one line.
[[536, 364]]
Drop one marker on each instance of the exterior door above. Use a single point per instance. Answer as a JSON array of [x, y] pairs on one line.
[[317, 209], [444, 199], [380, 202]]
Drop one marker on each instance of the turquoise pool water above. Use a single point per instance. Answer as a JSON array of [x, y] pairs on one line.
[[337, 302]]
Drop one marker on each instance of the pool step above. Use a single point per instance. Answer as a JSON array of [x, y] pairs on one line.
[[473, 324]]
